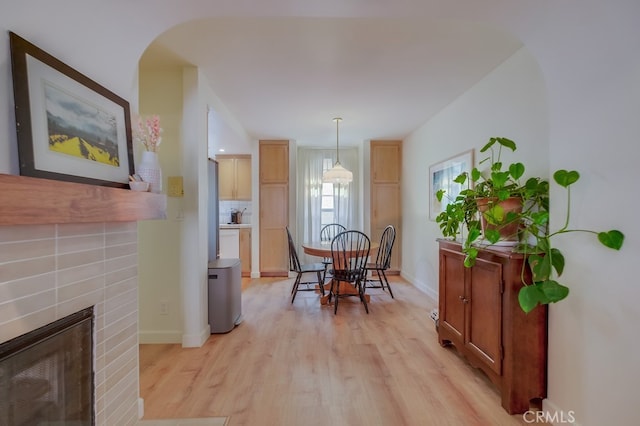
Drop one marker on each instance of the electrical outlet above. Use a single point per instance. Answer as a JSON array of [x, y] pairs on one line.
[[164, 308]]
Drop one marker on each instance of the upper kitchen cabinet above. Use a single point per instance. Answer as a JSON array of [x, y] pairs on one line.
[[234, 176]]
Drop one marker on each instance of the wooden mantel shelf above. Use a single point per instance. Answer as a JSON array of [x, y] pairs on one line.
[[30, 201]]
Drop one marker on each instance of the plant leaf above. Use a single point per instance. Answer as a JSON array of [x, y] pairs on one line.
[[499, 178], [557, 260], [492, 235], [540, 267], [461, 178], [516, 170], [470, 260], [612, 239], [540, 218], [488, 144], [565, 178], [494, 215], [529, 296], [554, 291], [507, 143], [475, 174], [439, 194]]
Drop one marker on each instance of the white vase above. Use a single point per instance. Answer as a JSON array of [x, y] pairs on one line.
[[150, 171]]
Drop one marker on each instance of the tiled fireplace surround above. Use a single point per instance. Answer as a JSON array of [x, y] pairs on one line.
[[50, 271]]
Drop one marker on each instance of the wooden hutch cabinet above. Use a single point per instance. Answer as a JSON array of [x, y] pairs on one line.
[[480, 315]]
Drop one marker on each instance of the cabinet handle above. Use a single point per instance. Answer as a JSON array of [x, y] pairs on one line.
[[463, 299]]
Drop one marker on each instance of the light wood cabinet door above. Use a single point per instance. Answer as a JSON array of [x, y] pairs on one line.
[[274, 219], [243, 178], [245, 252], [386, 210], [226, 178], [386, 161], [274, 162], [234, 177]]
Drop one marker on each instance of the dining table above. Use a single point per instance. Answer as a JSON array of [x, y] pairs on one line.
[[323, 249]]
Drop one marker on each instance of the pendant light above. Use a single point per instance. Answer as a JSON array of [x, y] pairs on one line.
[[337, 174]]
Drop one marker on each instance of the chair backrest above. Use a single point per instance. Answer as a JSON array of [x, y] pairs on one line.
[[328, 232], [294, 261], [349, 253], [383, 258]]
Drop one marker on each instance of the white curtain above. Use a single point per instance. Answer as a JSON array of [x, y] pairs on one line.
[[310, 161]]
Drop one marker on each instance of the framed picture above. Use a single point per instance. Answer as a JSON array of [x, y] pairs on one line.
[[441, 176], [68, 126]]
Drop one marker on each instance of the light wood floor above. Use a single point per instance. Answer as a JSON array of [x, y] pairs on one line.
[[291, 365]]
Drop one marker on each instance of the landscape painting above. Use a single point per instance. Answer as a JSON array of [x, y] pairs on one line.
[[68, 126], [80, 129]]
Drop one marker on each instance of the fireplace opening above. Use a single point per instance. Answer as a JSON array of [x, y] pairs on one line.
[[46, 375]]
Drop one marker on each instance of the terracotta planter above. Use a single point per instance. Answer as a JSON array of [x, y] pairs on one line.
[[508, 230]]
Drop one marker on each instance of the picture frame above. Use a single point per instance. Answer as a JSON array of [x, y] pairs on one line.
[[68, 126], [441, 176]]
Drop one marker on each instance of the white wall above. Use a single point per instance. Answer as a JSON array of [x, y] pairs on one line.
[[160, 241], [509, 102]]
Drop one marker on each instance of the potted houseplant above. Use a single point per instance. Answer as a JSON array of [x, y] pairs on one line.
[[478, 214]]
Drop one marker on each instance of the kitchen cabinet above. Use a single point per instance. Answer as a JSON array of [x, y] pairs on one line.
[[274, 162], [234, 177], [480, 315], [386, 202], [274, 208], [245, 251]]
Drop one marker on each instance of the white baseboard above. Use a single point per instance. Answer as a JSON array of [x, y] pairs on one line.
[[196, 340], [557, 416], [140, 408], [150, 337], [422, 287]]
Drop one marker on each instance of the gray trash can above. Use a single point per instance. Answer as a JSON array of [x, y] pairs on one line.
[[225, 295]]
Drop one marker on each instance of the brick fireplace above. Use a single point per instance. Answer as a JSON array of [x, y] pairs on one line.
[[65, 247], [50, 271]]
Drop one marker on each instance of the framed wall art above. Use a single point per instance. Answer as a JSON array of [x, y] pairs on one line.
[[441, 176], [68, 126]]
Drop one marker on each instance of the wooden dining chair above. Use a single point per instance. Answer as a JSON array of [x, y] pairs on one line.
[[382, 262], [327, 234], [301, 269], [349, 253]]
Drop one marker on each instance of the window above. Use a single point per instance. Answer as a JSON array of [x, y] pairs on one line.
[[327, 211]]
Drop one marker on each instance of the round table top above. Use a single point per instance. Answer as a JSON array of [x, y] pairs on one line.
[[323, 248]]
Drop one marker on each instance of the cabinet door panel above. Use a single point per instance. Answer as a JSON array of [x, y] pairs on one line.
[[452, 272], [274, 161], [386, 157], [226, 184], [243, 179], [385, 208], [274, 218], [484, 313]]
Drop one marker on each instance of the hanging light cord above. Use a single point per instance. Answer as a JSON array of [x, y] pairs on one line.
[[337, 120]]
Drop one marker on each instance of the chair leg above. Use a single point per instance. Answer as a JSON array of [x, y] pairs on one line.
[[387, 281], [321, 283], [361, 289], [296, 283], [336, 294]]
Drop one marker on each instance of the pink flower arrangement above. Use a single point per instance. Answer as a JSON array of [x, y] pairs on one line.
[[147, 132]]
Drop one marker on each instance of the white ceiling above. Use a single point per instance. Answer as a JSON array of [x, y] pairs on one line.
[[287, 78]]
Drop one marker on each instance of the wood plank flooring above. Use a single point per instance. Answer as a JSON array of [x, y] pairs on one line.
[[299, 364]]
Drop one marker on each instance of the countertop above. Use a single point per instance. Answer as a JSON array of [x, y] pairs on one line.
[[234, 225]]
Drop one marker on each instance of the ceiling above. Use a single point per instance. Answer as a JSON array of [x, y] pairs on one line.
[[287, 78]]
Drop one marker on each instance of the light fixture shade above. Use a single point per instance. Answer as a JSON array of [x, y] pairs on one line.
[[337, 174]]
